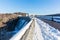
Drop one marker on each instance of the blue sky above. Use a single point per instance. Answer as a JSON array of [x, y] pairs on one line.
[[30, 6]]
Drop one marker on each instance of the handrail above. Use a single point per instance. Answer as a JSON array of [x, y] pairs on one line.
[[21, 32]]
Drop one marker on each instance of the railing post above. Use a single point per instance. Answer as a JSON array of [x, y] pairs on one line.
[[52, 18]]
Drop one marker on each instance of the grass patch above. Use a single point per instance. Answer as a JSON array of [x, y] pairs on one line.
[[1, 20]]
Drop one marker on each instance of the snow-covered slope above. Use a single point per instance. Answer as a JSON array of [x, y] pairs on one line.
[[21, 32], [48, 32]]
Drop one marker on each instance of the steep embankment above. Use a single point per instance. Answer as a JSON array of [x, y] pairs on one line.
[[4, 18], [7, 21]]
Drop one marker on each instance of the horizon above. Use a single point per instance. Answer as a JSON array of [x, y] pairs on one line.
[[40, 7]]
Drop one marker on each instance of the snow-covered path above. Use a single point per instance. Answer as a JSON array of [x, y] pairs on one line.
[[38, 30], [48, 32]]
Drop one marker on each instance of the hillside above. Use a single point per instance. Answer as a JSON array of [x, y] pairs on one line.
[[4, 18]]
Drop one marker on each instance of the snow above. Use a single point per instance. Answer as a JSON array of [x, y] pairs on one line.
[[19, 24], [42, 31], [21, 32], [48, 32], [37, 32]]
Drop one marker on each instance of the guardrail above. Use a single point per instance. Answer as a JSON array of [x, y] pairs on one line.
[[28, 34], [22, 33], [52, 18]]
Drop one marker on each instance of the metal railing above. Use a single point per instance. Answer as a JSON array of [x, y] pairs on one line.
[[51, 18]]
